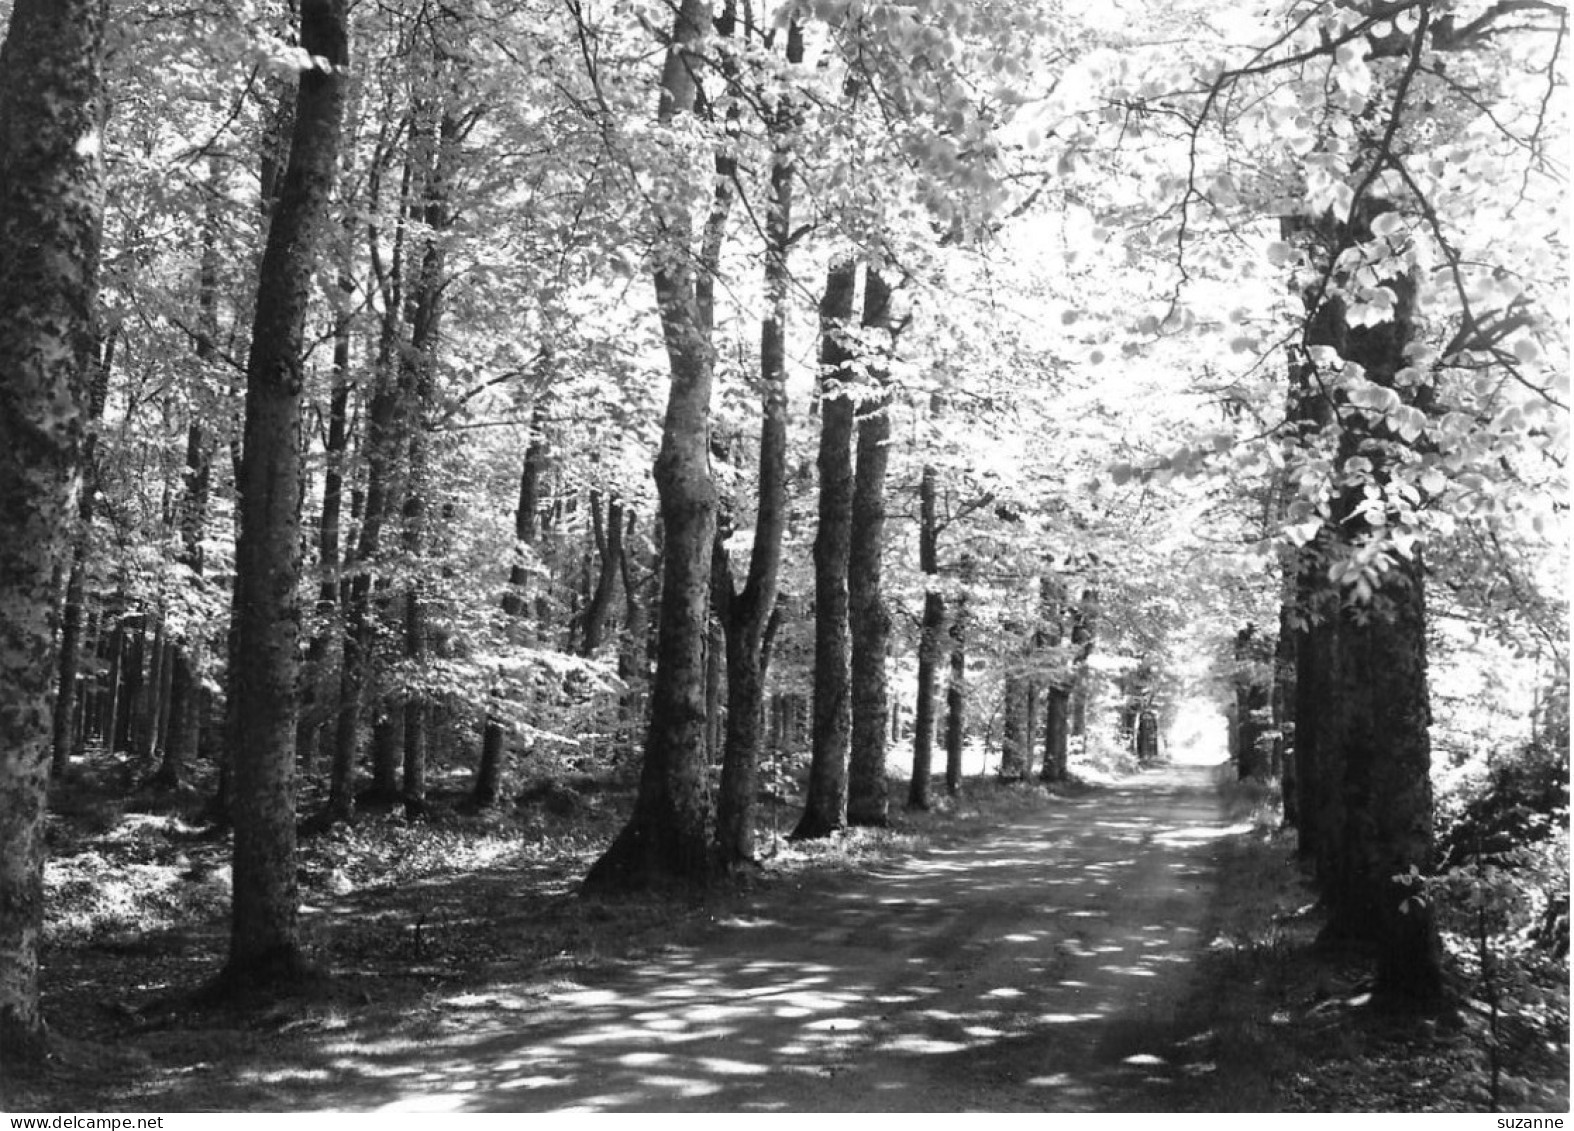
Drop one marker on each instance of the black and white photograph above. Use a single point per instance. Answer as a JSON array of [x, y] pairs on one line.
[[995, 557]]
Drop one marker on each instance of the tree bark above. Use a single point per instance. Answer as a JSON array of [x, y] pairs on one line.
[[1015, 734], [1057, 691], [1084, 633], [1363, 706], [1317, 763], [133, 677], [931, 641], [185, 675], [151, 725], [1253, 691], [747, 616], [318, 693], [1283, 702], [1147, 743], [51, 205], [608, 530], [868, 620], [667, 839], [264, 939], [634, 655], [109, 713], [1057, 730], [956, 690], [825, 807], [67, 737]]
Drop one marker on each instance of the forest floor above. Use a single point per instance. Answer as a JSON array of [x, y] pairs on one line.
[[1139, 945]]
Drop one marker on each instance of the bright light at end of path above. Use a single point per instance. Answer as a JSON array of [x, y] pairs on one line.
[[1200, 736]]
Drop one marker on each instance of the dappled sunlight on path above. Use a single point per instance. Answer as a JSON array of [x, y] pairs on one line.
[[1037, 968]]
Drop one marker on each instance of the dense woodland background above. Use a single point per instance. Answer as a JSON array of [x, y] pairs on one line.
[[789, 409]]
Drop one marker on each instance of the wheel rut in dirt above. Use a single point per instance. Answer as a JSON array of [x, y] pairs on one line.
[[1044, 966]]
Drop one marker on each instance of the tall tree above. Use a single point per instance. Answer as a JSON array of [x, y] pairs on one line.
[[667, 837], [51, 204], [956, 697], [196, 486], [931, 650], [1057, 691], [264, 938], [1016, 738], [868, 619], [392, 419], [1252, 677], [825, 806], [746, 616], [67, 738], [1365, 741], [1421, 347], [440, 141]]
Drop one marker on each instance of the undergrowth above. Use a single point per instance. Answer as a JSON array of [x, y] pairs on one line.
[[1293, 1021], [135, 870]]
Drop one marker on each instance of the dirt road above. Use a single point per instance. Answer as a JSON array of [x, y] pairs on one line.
[[1039, 968]]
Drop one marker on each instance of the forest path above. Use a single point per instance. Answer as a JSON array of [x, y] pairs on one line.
[[1044, 966]]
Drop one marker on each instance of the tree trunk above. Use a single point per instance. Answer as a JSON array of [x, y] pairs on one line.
[[634, 655], [416, 707], [931, 641], [1253, 659], [1147, 738], [156, 725], [1315, 657], [196, 486], [1057, 728], [264, 941], [868, 620], [64, 735], [666, 838], [109, 711], [1015, 734], [1084, 629], [825, 807], [715, 690], [67, 737], [416, 365], [133, 678], [956, 693], [1283, 708], [51, 204], [1362, 701], [748, 616], [317, 692], [185, 675], [185, 720], [387, 753], [608, 531], [387, 448], [1388, 764]]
